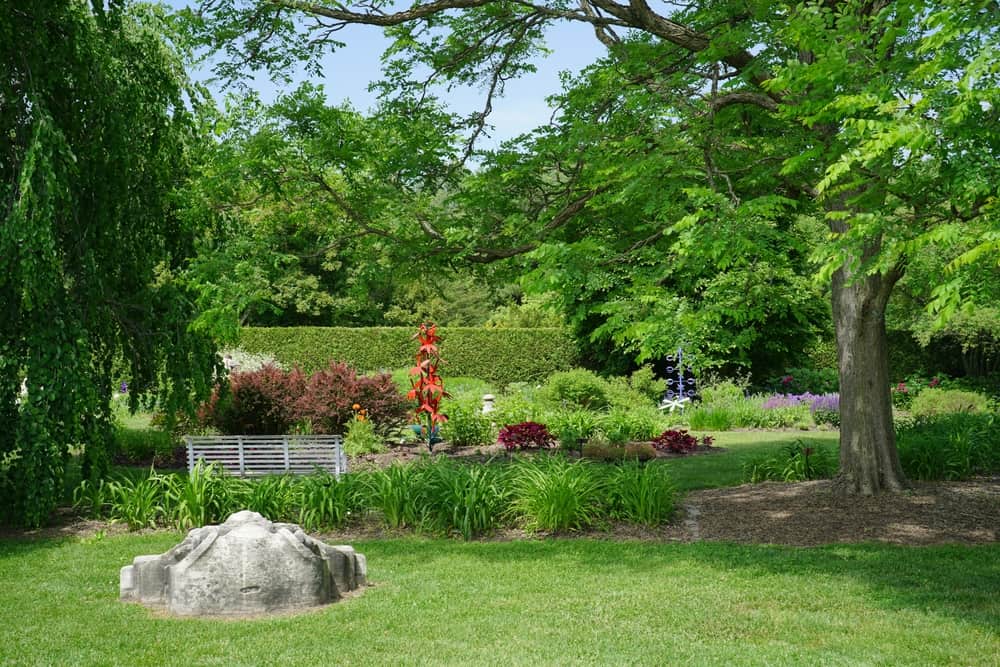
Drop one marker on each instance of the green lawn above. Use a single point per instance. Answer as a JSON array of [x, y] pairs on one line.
[[726, 468], [580, 601]]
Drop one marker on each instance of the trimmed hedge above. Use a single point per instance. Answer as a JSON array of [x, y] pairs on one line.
[[501, 356]]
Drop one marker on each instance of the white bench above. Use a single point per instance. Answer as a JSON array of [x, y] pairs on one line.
[[251, 455]]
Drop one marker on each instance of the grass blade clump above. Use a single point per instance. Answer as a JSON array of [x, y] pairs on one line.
[[551, 493], [470, 500], [327, 502], [642, 494]]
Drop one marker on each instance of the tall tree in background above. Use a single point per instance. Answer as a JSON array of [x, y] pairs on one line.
[[96, 128], [883, 120]]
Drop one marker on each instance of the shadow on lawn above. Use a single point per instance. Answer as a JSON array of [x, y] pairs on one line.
[[959, 581]]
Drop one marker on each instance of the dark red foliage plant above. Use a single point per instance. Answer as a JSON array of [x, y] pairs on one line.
[[330, 394], [677, 441], [526, 435], [260, 402], [427, 386]]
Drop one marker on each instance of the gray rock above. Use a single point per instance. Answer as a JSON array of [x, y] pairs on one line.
[[246, 566]]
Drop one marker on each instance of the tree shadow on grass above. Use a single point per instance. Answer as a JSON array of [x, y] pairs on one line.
[[959, 581]]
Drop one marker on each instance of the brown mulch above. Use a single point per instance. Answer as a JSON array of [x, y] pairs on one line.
[[800, 514], [812, 513]]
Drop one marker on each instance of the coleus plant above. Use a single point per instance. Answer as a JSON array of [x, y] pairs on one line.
[[427, 386]]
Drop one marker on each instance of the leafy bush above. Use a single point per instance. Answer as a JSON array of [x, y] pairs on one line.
[[261, 402], [722, 392], [950, 446], [467, 426], [933, 402], [519, 403], [644, 382], [329, 396], [553, 494], [468, 500], [361, 438], [578, 388], [642, 494], [571, 427], [797, 462], [528, 354], [133, 446], [621, 426], [826, 409], [675, 441], [526, 435]]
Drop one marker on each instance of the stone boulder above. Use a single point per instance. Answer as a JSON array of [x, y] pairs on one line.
[[246, 566]]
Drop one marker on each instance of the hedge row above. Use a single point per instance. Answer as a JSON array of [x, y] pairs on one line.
[[501, 356]]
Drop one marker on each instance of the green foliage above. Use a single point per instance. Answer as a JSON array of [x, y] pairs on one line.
[[933, 402], [98, 133], [361, 438], [551, 493], [571, 427], [577, 388], [528, 354], [620, 426], [954, 445], [798, 462], [467, 426], [642, 494], [646, 383], [468, 500], [328, 502], [805, 380]]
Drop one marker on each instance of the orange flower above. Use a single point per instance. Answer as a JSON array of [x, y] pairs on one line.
[[355, 407]]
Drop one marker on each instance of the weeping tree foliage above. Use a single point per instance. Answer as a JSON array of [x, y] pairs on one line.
[[877, 118], [94, 107]]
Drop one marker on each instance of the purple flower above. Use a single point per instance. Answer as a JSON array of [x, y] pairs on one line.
[[826, 403]]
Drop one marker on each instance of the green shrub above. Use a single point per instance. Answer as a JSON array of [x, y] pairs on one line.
[[933, 401], [642, 494], [621, 426], [551, 493], [527, 354], [949, 446], [361, 438], [710, 417], [722, 393], [570, 427], [805, 380], [145, 446], [519, 403], [327, 502], [467, 426], [577, 388], [644, 382], [467, 500]]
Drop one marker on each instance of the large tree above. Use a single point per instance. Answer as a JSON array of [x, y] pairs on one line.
[[94, 108], [885, 118]]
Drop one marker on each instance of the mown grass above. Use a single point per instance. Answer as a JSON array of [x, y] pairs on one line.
[[726, 468], [533, 602]]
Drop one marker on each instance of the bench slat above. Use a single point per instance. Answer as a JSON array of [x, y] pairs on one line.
[[267, 455]]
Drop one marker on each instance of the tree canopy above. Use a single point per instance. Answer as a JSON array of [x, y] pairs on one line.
[[712, 127], [96, 112]]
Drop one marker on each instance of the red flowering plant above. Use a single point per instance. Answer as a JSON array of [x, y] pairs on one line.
[[526, 435], [427, 385]]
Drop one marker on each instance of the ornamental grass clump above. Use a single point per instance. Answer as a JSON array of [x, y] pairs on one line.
[[558, 495], [526, 435]]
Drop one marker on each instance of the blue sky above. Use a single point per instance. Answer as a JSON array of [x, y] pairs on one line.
[[348, 72]]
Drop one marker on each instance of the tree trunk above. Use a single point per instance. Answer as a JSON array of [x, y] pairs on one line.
[[869, 462]]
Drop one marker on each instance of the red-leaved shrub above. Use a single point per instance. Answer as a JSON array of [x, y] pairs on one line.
[[330, 394], [526, 435], [675, 441], [261, 402]]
